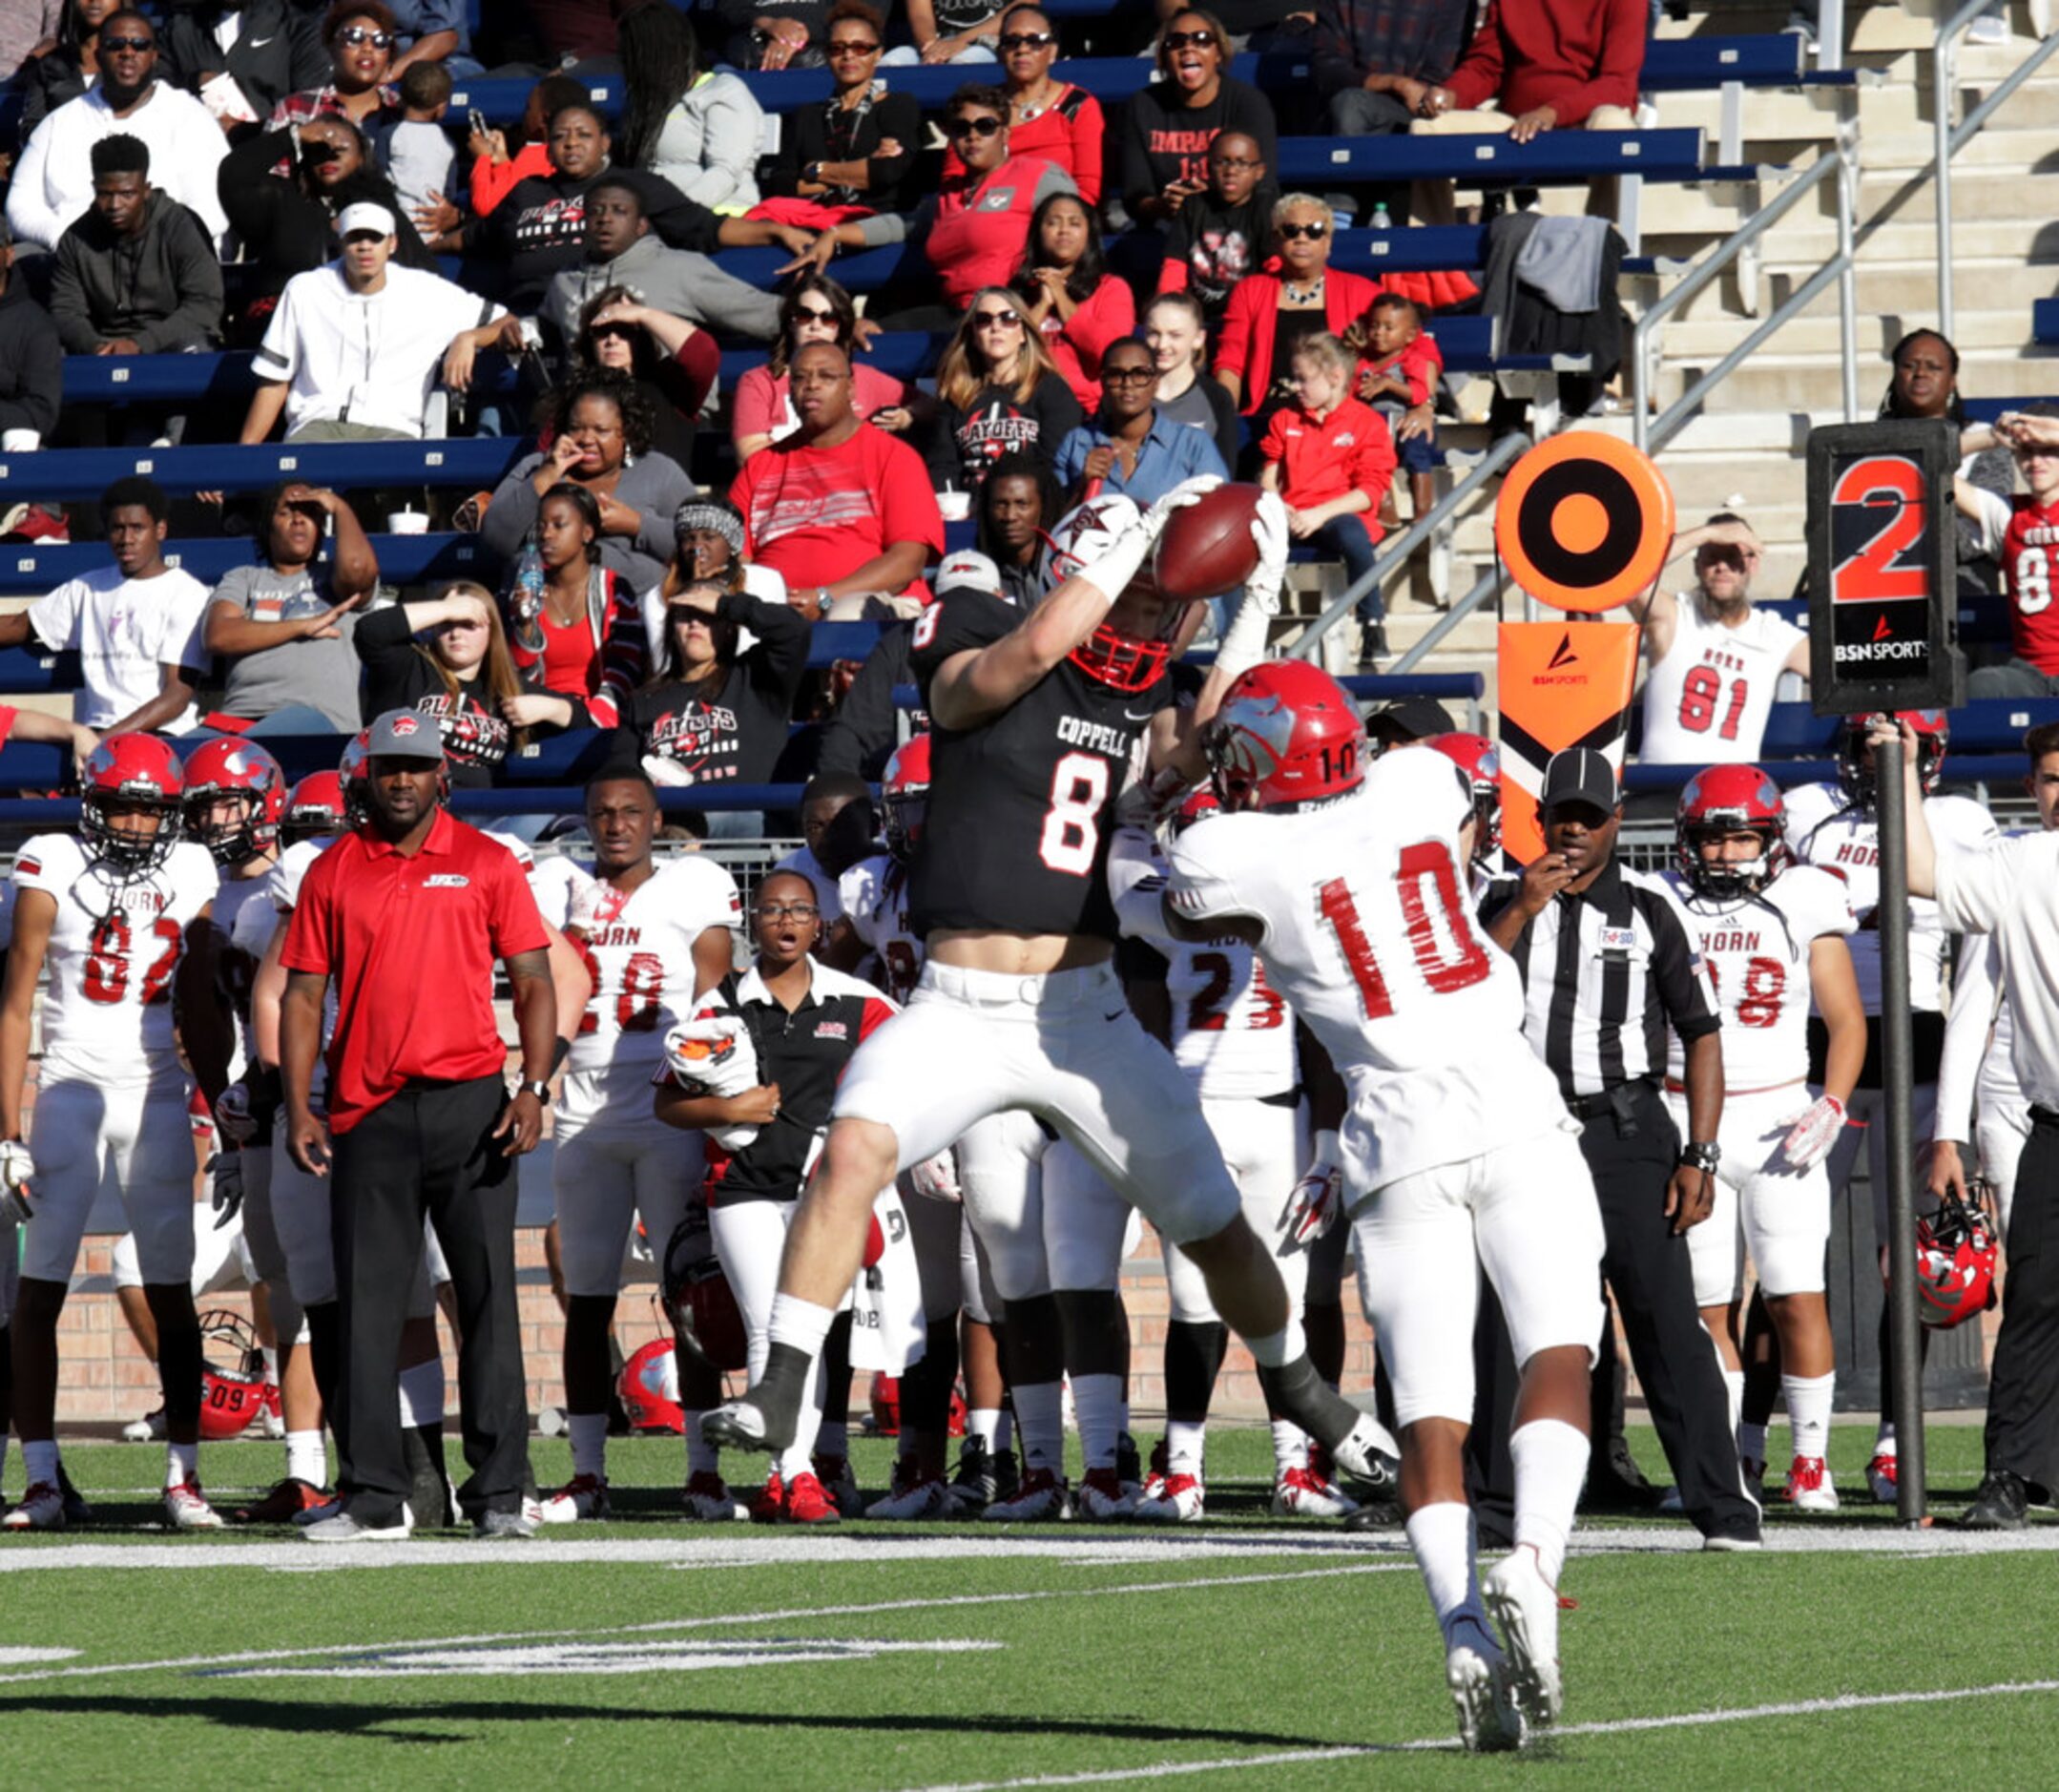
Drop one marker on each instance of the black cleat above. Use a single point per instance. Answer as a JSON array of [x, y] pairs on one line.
[[2000, 1504]]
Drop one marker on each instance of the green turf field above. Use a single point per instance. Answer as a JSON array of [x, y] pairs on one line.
[[1239, 1652]]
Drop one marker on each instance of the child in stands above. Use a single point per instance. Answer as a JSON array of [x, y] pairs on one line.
[[1400, 367]]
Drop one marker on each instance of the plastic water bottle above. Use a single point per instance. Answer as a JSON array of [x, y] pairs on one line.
[[1380, 219], [528, 606]]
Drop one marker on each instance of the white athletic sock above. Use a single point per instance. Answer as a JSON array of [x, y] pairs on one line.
[[40, 1460], [801, 1323], [271, 1363], [1040, 1417], [422, 1392], [305, 1460], [833, 1438], [1441, 1537], [1290, 1446], [1734, 1387], [1097, 1404], [701, 1457], [1551, 1459], [1808, 1411], [1278, 1348], [1883, 1441], [985, 1424], [1183, 1442], [589, 1442], [181, 1464], [1751, 1442]]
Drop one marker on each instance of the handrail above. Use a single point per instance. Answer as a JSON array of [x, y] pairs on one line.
[[1950, 139], [1398, 551], [1488, 583]]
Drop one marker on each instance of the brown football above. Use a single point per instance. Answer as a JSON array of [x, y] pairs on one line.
[[1207, 548]]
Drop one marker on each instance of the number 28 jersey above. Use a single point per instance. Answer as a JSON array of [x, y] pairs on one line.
[[107, 1015]]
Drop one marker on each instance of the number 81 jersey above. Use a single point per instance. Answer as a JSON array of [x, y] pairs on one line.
[[114, 948]]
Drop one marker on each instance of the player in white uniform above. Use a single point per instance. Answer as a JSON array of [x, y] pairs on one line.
[[1836, 826], [654, 940], [1458, 1152], [1715, 661], [1769, 931], [116, 913]]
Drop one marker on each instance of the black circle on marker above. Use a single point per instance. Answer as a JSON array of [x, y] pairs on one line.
[[1557, 563]]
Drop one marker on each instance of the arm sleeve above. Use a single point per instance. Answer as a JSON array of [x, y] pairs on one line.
[[886, 227], [387, 647], [1089, 129], [1233, 353], [53, 618], [908, 508], [198, 278], [250, 192], [1199, 891], [699, 361], [900, 119], [750, 409], [1072, 456], [1682, 978], [1478, 77], [278, 354], [625, 655], [861, 735], [1975, 999], [732, 128], [39, 366], [1977, 890], [782, 654], [308, 932], [1275, 445], [1137, 883], [1111, 313], [1614, 81]]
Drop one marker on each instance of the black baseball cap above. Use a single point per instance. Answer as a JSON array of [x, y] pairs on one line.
[[1579, 775], [1408, 718]]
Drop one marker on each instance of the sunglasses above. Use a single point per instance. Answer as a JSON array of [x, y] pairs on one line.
[[1189, 40], [1026, 40], [1314, 233], [852, 47], [997, 320], [357, 34], [612, 333], [974, 127], [813, 314], [109, 46], [1127, 376]]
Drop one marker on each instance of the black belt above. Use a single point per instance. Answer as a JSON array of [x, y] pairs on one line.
[[2043, 1117], [1610, 1100]]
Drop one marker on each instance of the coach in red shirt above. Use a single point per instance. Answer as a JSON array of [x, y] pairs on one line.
[[837, 509], [403, 919]]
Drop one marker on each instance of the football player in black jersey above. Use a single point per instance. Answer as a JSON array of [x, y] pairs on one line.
[[1035, 719]]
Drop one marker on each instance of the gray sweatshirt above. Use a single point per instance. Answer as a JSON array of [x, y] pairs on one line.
[[678, 281]]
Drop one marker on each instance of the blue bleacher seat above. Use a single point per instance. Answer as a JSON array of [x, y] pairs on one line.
[[2045, 322], [470, 462], [1675, 65], [1554, 158]]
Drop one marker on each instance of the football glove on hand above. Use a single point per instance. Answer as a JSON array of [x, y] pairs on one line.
[[1243, 641], [712, 1055], [1318, 1196], [1810, 1137], [227, 1168], [1187, 491], [16, 1169], [936, 1179], [233, 1117]]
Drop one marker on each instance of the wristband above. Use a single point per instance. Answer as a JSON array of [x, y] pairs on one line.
[[1702, 1155], [539, 1089], [560, 1050]]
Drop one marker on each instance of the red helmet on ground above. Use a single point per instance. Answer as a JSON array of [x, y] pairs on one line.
[[130, 773], [1287, 733], [353, 771], [1955, 1264], [1481, 761], [231, 1376], [315, 808], [697, 1295], [649, 1389], [1720, 801], [240, 770], [905, 796], [1855, 758]]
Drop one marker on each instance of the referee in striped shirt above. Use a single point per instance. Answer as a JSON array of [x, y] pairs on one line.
[[1608, 968]]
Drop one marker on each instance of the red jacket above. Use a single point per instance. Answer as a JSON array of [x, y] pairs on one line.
[[1572, 55], [1078, 344], [1324, 458], [1246, 348]]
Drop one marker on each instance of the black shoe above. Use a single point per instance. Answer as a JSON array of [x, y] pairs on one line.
[[75, 1510], [430, 1501], [974, 1485], [1612, 1493], [1008, 1474], [1375, 1515], [1999, 1506]]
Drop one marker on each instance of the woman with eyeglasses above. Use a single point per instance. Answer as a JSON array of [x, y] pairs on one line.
[[1926, 385], [855, 154], [1170, 125], [1076, 305], [1128, 450], [1176, 331], [999, 391], [816, 309], [699, 128], [1046, 117], [360, 36], [674, 364]]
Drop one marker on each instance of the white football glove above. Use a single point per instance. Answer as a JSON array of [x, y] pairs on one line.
[[16, 1170], [712, 1055], [663, 772], [584, 913], [1243, 641], [936, 1179], [1187, 491], [733, 1138], [1813, 1134], [1124, 557], [1318, 1196], [233, 1117], [227, 1168]]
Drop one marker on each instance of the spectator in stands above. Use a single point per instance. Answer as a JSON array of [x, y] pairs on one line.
[[580, 35], [1329, 457], [671, 364], [999, 391], [973, 230], [1019, 501], [1398, 371], [1271, 315], [27, 32], [599, 438], [31, 361], [2016, 531], [1047, 118], [1925, 384], [284, 626], [708, 543], [241, 59], [135, 624], [432, 31], [696, 127], [64, 71], [284, 209], [773, 34], [1177, 334], [838, 509], [948, 31], [1069, 294], [53, 180], [415, 150], [1130, 451], [856, 155], [136, 274], [359, 36], [815, 309], [1170, 125], [1375, 62], [496, 169], [1221, 233], [619, 250], [354, 348], [581, 637]]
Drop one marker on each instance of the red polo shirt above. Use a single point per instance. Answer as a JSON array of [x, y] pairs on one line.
[[411, 945]]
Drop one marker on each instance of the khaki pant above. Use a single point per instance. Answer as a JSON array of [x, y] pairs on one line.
[[1433, 202]]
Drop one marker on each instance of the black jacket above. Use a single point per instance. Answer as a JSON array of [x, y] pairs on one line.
[[48, 82], [861, 736], [806, 138], [733, 734], [540, 228], [278, 51], [31, 362], [160, 287]]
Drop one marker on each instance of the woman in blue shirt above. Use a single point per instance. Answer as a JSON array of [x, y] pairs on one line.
[[1130, 450]]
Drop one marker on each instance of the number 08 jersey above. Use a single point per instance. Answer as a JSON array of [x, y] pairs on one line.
[[107, 1014]]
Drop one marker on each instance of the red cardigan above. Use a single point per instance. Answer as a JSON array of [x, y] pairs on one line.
[[1248, 324], [1078, 344]]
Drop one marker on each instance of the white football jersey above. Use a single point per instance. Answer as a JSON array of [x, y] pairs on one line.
[[1757, 950], [554, 878], [282, 882], [106, 1012], [239, 898], [874, 897], [1369, 935], [1232, 1033], [1825, 829], [639, 951], [1708, 701]]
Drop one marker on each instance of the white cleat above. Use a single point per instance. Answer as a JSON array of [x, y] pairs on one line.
[[41, 1508], [1303, 1494], [583, 1496], [1526, 1607], [1179, 1500], [1100, 1497], [1371, 1455], [1809, 1486], [188, 1510], [931, 1498], [1482, 1688], [148, 1429]]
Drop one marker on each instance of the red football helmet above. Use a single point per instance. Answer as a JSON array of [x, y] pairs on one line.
[[884, 1406], [697, 1295], [649, 1389], [1287, 733], [315, 808], [905, 796], [1855, 758], [1481, 761], [353, 771], [1955, 1262], [1719, 800], [229, 769], [131, 774], [232, 1390]]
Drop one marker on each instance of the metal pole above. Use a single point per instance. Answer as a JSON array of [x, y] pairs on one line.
[[1848, 250], [1943, 80], [1905, 1325]]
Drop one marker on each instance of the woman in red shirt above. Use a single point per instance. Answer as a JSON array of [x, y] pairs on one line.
[[1046, 117], [1071, 299], [582, 635]]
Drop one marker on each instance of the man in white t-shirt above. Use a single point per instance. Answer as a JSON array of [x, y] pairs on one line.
[[1714, 660], [135, 625], [356, 345]]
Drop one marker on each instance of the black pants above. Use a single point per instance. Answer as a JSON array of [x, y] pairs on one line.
[[1632, 1155], [426, 1152], [2024, 1387]]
